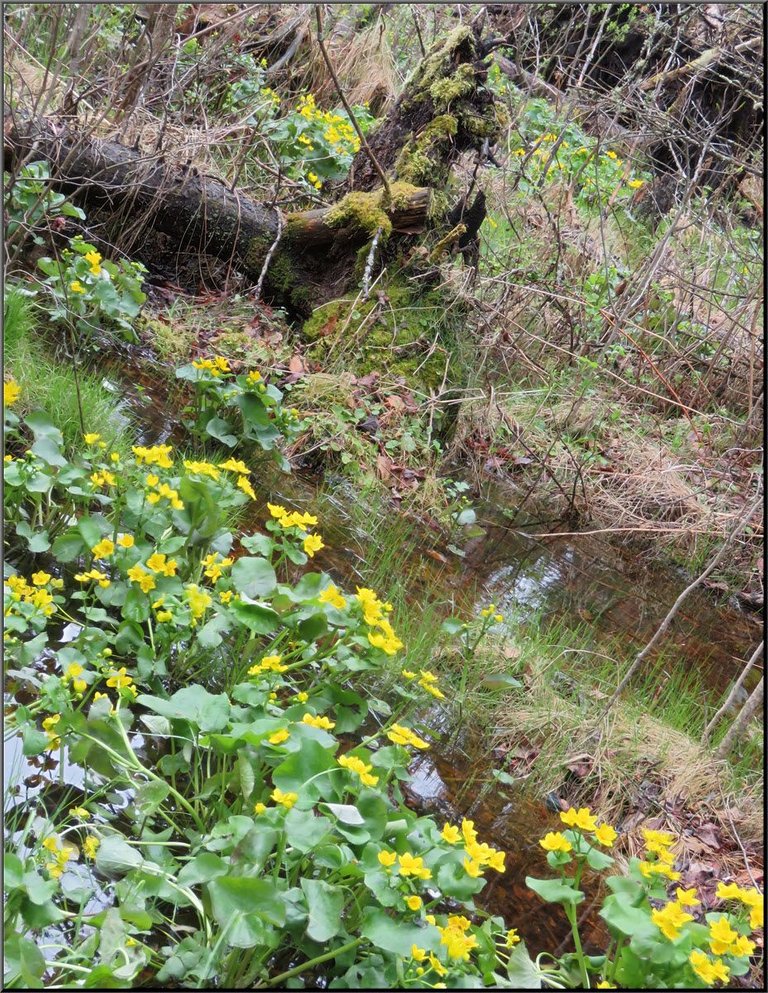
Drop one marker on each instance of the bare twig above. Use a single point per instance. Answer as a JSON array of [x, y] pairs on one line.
[[369, 264], [350, 114], [270, 253], [664, 626]]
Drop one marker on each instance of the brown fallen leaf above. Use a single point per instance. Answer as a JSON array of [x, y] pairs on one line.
[[296, 364]]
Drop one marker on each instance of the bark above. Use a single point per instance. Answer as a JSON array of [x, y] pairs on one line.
[[733, 695], [198, 211], [738, 727]]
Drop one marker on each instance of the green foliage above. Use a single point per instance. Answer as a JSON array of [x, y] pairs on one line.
[[553, 150], [250, 817], [45, 382], [256, 405], [651, 947], [316, 145], [90, 294], [31, 205]]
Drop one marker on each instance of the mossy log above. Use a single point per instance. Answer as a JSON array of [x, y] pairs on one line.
[[200, 212]]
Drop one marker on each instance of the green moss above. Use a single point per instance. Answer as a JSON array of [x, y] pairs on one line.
[[361, 210], [171, 340], [458, 84], [394, 339]]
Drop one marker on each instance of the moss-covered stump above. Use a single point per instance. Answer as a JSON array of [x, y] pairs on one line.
[[399, 334], [445, 109]]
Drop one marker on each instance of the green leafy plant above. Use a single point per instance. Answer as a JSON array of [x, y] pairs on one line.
[[658, 940], [287, 849], [31, 205], [257, 406], [318, 145], [90, 294]]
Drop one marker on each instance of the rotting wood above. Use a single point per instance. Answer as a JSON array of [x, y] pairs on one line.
[[198, 211]]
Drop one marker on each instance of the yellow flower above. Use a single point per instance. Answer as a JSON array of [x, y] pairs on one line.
[[245, 486], [473, 868], [286, 800], [450, 833], [140, 576], [418, 954], [332, 596], [126, 541], [73, 669], [411, 865], [728, 891], [318, 722], [91, 846], [92, 438], [214, 566], [259, 808], [605, 985], [92, 258], [742, 946], [202, 469], [635, 184], [279, 737], [79, 812], [687, 898], [663, 838], [157, 563], [76, 286], [235, 465], [581, 819], [512, 938], [198, 601], [413, 902], [458, 944], [756, 917], [605, 835], [436, 964], [359, 768], [468, 831], [120, 680], [460, 922], [49, 723], [41, 578], [103, 549], [400, 735], [313, 543], [302, 697], [156, 455], [93, 574], [669, 919], [721, 936], [103, 478], [387, 859], [254, 376], [114, 457], [612, 155], [555, 841]]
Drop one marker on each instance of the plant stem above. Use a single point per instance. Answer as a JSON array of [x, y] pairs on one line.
[[277, 980]]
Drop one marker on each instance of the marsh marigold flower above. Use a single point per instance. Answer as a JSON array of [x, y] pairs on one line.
[[581, 819]]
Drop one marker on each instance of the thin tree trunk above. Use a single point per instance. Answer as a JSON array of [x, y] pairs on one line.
[[731, 699], [739, 725]]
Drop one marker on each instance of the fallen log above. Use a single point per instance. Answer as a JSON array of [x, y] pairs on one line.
[[199, 211]]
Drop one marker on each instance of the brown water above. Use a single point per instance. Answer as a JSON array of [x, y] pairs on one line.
[[581, 579]]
